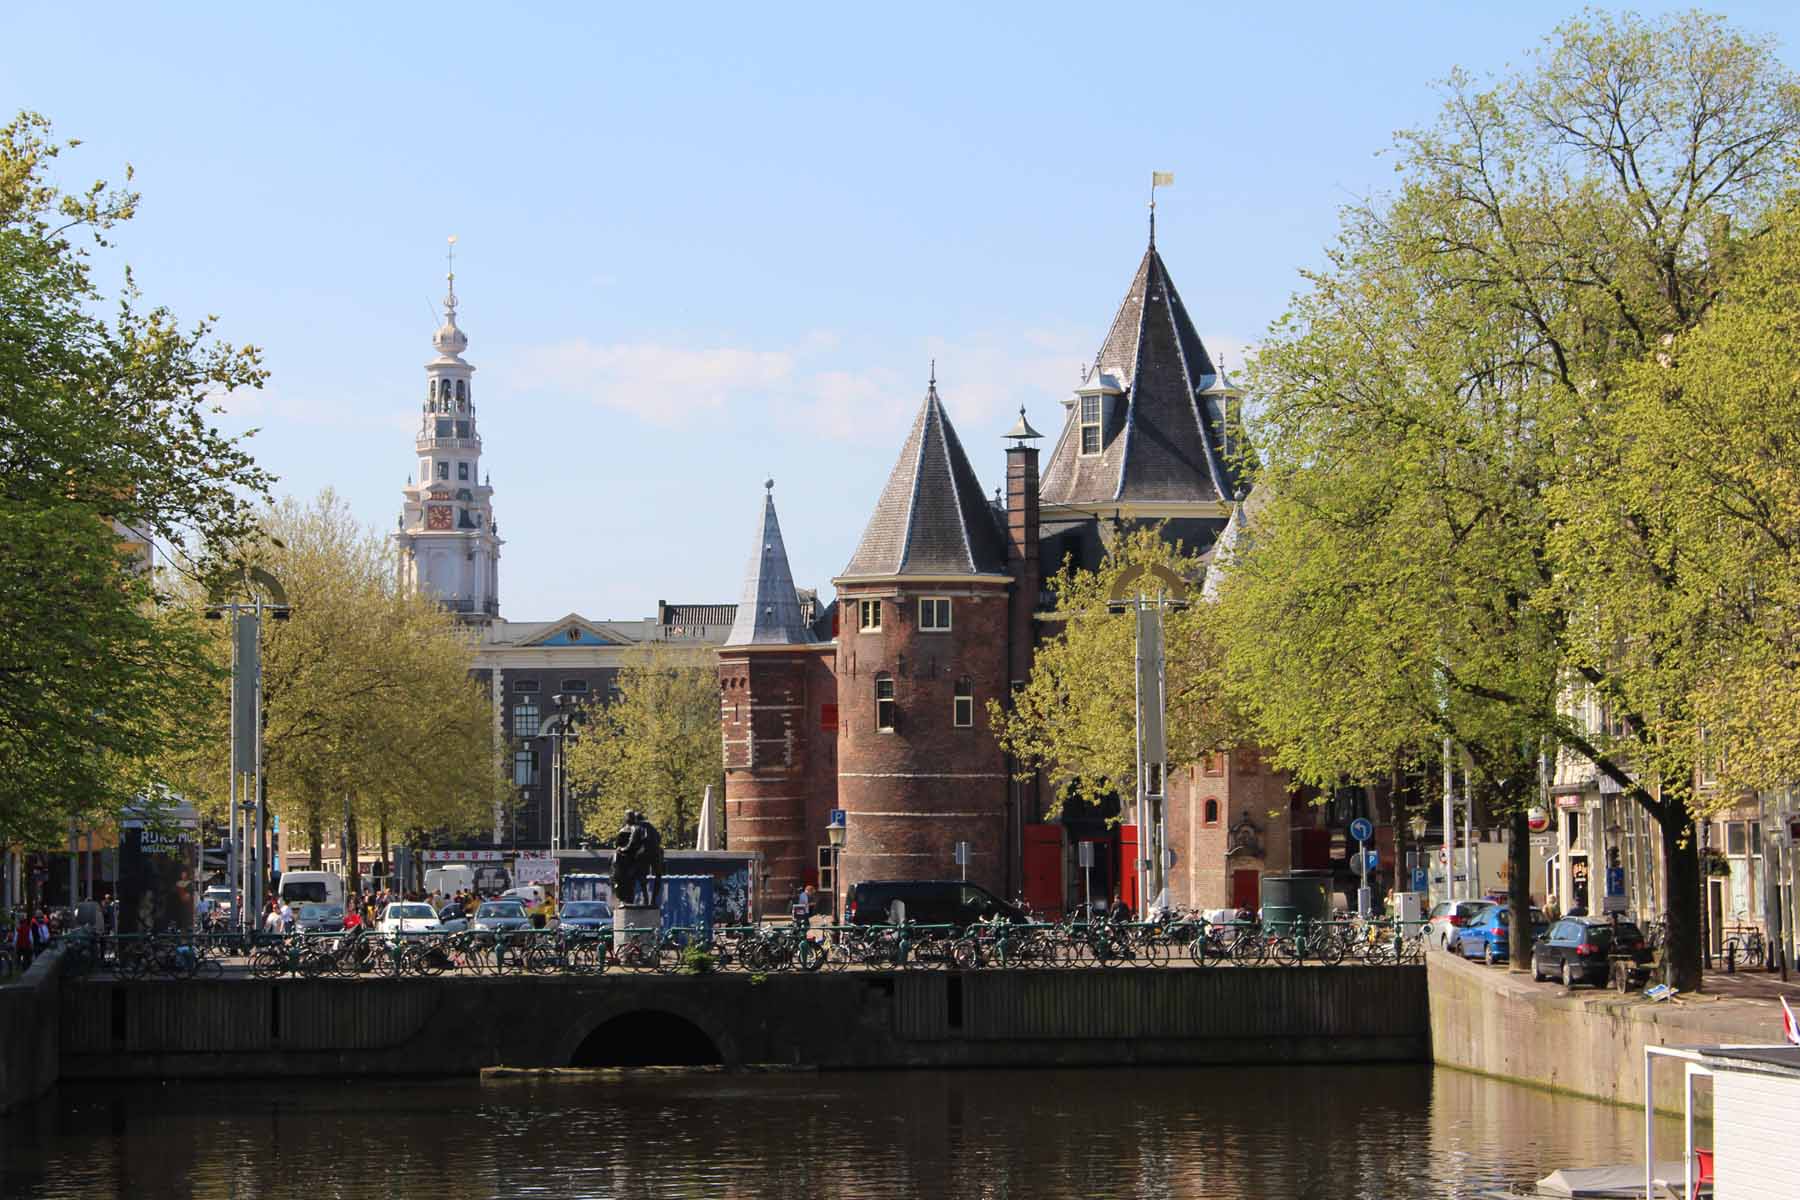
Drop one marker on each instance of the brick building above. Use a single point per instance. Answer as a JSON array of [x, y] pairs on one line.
[[878, 707]]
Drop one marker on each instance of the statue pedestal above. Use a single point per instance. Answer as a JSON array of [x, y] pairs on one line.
[[640, 923]]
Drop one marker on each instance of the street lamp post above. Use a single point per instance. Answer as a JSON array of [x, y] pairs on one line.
[[834, 833], [1157, 589]]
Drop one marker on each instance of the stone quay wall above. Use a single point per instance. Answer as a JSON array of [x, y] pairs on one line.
[[244, 1028], [1590, 1042], [29, 1011]]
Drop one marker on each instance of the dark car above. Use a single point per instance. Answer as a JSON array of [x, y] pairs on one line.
[[1579, 950], [1485, 937], [928, 902], [585, 914]]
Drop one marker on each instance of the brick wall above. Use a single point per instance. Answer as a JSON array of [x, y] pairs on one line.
[[913, 792]]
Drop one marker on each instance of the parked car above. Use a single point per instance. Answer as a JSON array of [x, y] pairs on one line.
[[1447, 918], [501, 916], [586, 914], [408, 918], [1485, 937], [1579, 949], [928, 902], [320, 918]]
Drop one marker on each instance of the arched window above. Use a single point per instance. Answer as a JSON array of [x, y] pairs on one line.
[[1212, 812], [462, 390], [962, 710], [884, 702]]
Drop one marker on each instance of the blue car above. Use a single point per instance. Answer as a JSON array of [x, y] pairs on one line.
[[1484, 938]]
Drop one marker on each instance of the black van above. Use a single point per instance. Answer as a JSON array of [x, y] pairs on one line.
[[928, 902]]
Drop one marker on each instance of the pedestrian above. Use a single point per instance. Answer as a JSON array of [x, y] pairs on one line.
[[803, 907], [22, 941], [40, 932], [272, 919], [287, 917]]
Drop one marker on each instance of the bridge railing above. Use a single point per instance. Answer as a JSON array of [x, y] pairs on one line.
[[758, 949]]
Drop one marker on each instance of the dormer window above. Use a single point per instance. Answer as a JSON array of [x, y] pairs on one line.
[[1090, 424]]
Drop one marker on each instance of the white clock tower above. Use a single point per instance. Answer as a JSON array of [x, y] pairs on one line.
[[448, 543]]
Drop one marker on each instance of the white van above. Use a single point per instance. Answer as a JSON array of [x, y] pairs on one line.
[[312, 887], [529, 894], [447, 881]]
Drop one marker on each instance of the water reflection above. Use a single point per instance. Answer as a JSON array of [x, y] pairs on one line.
[[1381, 1133]]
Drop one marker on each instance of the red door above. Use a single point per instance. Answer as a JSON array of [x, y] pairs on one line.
[[1043, 868], [1246, 887], [1128, 852]]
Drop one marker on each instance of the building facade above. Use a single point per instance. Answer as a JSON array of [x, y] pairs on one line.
[[940, 610]]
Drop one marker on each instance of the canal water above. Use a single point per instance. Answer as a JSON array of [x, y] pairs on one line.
[[1347, 1133]]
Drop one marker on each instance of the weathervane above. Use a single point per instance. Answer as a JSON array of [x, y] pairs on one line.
[[1158, 179], [450, 277]]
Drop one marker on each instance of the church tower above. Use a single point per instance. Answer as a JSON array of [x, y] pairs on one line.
[[448, 543]]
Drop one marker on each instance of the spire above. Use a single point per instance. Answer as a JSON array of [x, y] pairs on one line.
[[933, 517], [769, 612], [1155, 432], [449, 340]]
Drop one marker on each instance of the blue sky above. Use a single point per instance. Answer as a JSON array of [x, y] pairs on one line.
[[706, 244]]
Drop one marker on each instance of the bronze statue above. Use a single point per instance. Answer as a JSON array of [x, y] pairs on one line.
[[637, 864]]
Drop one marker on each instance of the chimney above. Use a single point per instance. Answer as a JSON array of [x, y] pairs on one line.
[[1022, 545]]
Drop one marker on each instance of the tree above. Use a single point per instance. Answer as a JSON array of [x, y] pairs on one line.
[[1075, 718], [372, 717], [1454, 393], [656, 748], [103, 428]]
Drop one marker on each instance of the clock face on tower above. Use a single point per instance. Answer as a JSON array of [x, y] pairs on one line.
[[437, 516]]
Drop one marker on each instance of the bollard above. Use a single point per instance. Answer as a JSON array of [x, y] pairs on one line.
[[1731, 958]]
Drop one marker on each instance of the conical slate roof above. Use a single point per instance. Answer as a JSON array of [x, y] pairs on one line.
[[769, 613], [1162, 439], [933, 518]]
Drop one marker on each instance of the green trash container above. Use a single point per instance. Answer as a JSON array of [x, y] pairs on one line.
[[1286, 898]]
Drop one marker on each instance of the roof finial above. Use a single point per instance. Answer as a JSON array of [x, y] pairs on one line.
[[1157, 179], [932, 382], [450, 278], [769, 485]]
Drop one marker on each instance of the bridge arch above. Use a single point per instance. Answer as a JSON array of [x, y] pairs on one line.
[[628, 1035]]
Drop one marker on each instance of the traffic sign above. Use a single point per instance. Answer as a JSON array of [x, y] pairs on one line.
[[1362, 829], [836, 818], [1371, 861]]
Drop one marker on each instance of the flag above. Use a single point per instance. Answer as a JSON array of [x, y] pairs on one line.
[[1162, 179], [1790, 1028]]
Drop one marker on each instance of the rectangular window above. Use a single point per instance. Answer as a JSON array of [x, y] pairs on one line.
[[525, 720], [525, 685], [462, 472], [934, 613], [884, 704], [964, 714], [1734, 839], [444, 425], [462, 429], [525, 768], [444, 471], [1090, 424], [1215, 765], [828, 718], [868, 614], [574, 685]]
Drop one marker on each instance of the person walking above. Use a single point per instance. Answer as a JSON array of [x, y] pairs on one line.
[[22, 941], [803, 907]]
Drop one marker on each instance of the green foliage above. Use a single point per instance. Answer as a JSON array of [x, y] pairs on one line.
[[368, 698], [103, 429], [1465, 506], [656, 748], [695, 960], [1074, 719]]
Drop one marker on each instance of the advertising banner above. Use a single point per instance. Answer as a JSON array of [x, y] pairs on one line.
[[158, 868]]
